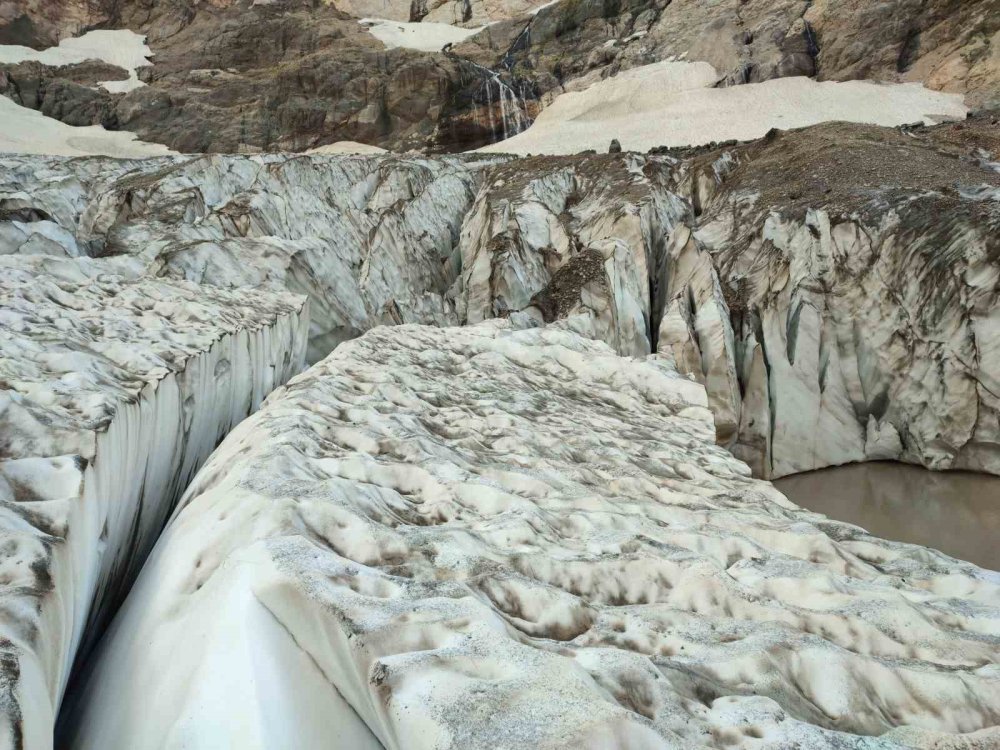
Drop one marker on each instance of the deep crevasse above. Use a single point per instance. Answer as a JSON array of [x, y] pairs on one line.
[[84, 500]]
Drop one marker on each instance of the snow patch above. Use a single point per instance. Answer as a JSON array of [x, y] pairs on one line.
[[346, 147], [426, 37], [27, 131], [675, 104], [121, 48]]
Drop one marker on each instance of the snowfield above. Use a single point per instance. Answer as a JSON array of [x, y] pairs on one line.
[[675, 104], [27, 131], [426, 37]]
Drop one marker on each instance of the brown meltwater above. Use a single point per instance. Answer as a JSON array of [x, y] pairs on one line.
[[955, 512]]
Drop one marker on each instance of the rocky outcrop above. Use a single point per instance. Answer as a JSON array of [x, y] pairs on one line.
[[247, 77], [571, 239], [841, 292], [113, 394], [948, 45], [439, 538], [241, 76], [951, 45], [370, 240]]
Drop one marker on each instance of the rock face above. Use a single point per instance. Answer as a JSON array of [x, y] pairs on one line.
[[949, 45], [370, 240], [450, 538], [243, 76], [952, 45], [113, 394], [841, 292]]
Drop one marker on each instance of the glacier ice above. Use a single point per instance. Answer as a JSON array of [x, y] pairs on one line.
[[490, 537]]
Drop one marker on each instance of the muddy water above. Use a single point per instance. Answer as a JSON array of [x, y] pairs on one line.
[[955, 512]]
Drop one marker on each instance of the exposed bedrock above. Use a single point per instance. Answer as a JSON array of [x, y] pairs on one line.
[[243, 76], [370, 240], [455, 538], [841, 293], [113, 394]]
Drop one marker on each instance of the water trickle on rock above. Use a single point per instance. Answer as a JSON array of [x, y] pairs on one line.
[[511, 102]]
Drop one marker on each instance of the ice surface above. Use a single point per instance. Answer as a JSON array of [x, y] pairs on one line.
[[369, 239], [482, 537]]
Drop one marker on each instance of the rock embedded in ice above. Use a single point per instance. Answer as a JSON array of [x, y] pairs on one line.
[[482, 537], [112, 394]]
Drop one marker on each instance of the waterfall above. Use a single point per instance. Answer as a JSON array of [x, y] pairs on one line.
[[513, 117]]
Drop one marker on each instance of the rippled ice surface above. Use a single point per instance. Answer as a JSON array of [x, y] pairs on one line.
[[955, 512]]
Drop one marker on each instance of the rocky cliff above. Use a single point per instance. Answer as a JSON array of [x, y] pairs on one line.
[[292, 75]]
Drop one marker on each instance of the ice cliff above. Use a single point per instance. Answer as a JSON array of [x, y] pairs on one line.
[[488, 537], [839, 296], [114, 391]]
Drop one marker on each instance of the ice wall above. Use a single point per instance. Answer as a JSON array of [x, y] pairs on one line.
[[113, 394]]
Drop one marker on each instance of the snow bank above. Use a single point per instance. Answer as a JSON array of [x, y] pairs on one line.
[[675, 104], [481, 537], [346, 147], [426, 37], [114, 393], [122, 48], [26, 131]]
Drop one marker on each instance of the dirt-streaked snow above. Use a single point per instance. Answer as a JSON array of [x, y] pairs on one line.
[[347, 148], [426, 37], [675, 104], [27, 131], [122, 48]]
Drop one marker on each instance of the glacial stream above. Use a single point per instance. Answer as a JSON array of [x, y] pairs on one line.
[[955, 512]]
